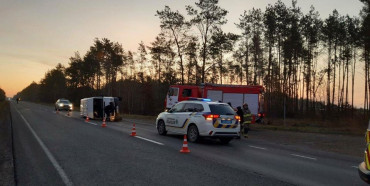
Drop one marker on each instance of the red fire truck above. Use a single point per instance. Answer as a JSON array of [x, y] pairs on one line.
[[237, 95]]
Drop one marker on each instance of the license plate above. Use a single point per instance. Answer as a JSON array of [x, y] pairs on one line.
[[226, 121]]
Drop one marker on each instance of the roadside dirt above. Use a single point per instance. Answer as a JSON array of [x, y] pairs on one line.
[[6, 154], [352, 145]]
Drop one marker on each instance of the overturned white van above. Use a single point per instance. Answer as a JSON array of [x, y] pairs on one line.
[[93, 108]]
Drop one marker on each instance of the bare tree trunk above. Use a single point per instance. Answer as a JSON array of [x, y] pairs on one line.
[[347, 69], [328, 79], [180, 56], [221, 67], [366, 91], [255, 67], [301, 87], [313, 92], [159, 68], [246, 64], [334, 71], [269, 85], [353, 78], [339, 85], [279, 63], [204, 55]]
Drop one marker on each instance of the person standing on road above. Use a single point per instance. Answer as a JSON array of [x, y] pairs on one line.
[[239, 112], [109, 109], [247, 118]]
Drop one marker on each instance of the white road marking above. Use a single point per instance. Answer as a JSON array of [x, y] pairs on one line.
[[149, 140], [355, 167], [91, 123], [257, 147], [52, 159], [303, 156]]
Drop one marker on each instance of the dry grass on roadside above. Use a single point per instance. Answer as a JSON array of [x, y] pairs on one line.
[[6, 155], [336, 126], [3, 106]]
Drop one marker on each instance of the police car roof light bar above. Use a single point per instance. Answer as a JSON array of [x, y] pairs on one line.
[[198, 99]]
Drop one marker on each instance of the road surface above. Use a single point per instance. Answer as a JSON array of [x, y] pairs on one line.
[[56, 149]]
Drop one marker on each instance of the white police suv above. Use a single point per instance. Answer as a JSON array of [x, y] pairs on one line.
[[199, 117]]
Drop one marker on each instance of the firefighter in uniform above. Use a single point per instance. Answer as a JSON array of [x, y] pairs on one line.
[[247, 119]]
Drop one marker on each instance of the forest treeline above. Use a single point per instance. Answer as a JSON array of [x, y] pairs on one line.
[[306, 64], [2, 95]]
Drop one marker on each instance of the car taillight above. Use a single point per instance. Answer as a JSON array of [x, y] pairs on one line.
[[237, 118], [210, 117], [261, 114]]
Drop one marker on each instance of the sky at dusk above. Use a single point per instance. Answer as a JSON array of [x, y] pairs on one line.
[[36, 35]]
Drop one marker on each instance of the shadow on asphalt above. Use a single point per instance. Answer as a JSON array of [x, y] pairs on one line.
[[203, 141]]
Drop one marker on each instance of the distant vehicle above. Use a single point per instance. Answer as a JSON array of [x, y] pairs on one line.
[[364, 167], [93, 108], [237, 95], [199, 117], [63, 104]]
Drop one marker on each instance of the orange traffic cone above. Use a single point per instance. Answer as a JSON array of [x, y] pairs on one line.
[[133, 133], [57, 111], [104, 124], [185, 148], [87, 118]]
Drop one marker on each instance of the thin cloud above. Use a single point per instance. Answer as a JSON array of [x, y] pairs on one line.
[[29, 58]]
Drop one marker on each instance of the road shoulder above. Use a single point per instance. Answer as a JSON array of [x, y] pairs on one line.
[[351, 145], [6, 150]]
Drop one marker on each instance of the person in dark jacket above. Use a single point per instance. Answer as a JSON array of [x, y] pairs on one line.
[[109, 109], [239, 112], [247, 119]]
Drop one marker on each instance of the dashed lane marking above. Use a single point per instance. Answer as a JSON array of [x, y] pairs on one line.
[[52, 159], [257, 147], [303, 156], [156, 142], [355, 167], [91, 123]]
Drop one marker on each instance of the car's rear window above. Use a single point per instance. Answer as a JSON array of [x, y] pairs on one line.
[[221, 109]]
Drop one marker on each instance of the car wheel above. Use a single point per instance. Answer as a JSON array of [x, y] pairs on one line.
[[225, 140], [193, 133], [161, 128]]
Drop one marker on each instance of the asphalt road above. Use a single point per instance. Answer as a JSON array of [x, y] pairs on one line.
[[56, 149]]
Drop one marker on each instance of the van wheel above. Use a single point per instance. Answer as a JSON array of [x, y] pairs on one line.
[[193, 133], [225, 140], [161, 128]]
